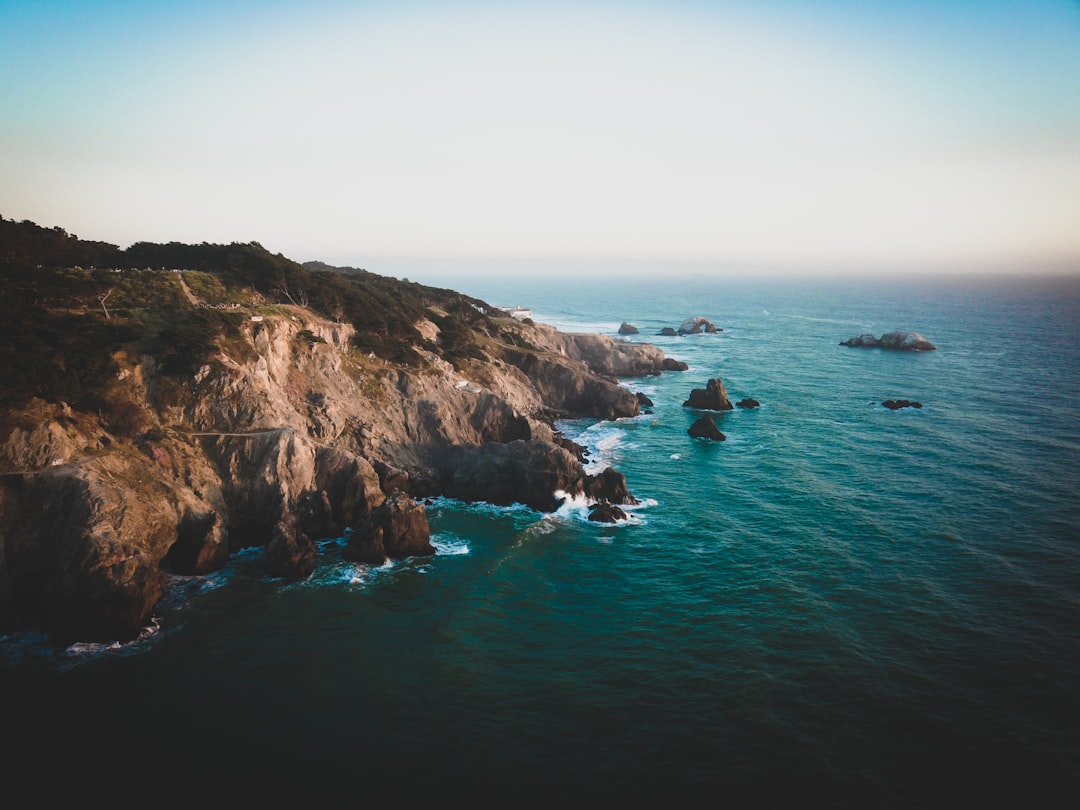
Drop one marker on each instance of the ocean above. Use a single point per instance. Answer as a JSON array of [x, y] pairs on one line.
[[841, 605]]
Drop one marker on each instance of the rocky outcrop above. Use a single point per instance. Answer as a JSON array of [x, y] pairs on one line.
[[527, 472], [747, 403], [713, 397], [674, 365], [705, 428], [396, 529], [627, 329], [900, 341], [286, 436], [697, 325], [606, 513]]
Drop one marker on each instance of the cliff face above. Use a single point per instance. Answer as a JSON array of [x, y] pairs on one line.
[[286, 434]]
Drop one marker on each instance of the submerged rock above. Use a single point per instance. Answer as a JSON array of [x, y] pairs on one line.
[[897, 404]]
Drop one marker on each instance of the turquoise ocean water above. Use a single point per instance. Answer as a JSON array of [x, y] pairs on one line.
[[840, 605]]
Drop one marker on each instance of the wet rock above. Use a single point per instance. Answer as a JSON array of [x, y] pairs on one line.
[[606, 513], [705, 428], [396, 529], [627, 329], [897, 404], [747, 402], [711, 398]]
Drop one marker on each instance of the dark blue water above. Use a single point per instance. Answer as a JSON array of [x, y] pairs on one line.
[[840, 604]]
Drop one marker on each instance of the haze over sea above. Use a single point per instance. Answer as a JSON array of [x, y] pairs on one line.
[[840, 604]]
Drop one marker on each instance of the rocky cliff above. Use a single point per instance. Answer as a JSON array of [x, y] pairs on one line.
[[287, 430]]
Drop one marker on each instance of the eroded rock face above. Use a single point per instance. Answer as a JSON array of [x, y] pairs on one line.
[[713, 397], [398, 528], [289, 554], [697, 325], [278, 446], [526, 472]]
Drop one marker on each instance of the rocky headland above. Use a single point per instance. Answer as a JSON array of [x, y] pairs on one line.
[[160, 419]]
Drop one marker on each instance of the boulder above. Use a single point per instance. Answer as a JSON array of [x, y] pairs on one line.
[[747, 402], [711, 398], [396, 529], [627, 329], [674, 365], [668, 331], [643, 400], [608, 485], [705, 428], [606, 513]]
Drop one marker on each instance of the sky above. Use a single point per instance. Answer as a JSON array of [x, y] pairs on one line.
[[842, 136]]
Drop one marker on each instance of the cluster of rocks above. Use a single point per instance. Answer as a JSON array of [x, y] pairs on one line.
[[901, 341], [691, 326], [713, 397]]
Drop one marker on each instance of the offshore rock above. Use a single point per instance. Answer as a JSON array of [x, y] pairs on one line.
[[670, 364], [900, 341], [695, 326], [747, 403], [606, 513], [627, 329], [397, 529], [705, 428], [711, 398], [897, 404], [608, 485]]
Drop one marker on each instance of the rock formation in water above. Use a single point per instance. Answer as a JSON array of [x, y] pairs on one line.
[[748, 403], [897, 404], [247, 402], [705, 428], [900, 341], [713, 397], [627, 329]]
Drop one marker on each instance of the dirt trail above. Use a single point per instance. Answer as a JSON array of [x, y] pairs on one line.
[[187, 291]]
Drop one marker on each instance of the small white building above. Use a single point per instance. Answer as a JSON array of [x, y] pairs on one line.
[[521, 313]]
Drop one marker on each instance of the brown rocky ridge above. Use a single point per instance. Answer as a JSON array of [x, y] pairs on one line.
[[161, 417]]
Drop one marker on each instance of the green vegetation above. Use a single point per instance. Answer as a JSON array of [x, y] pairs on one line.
[[69, 305]]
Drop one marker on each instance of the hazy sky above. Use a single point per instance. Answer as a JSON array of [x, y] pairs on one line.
[[751, 135]]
